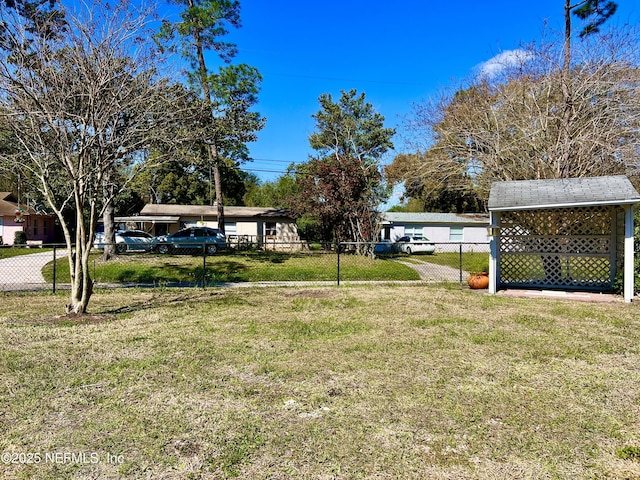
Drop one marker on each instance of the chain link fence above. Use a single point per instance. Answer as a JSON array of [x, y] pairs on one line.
[[46, 267]]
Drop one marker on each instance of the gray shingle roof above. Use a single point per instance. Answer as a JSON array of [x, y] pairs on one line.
[[437, 218], [564, 192]]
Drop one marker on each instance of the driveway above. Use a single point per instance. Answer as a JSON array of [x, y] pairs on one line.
[[433, 272], [24, 271]]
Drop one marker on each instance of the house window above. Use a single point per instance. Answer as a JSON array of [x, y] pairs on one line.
[[35, 227], [230, 228], [270, 229], [413, 230], [456, 234]]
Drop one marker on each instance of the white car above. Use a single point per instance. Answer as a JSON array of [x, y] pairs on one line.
[[415, 244], [128, 241]]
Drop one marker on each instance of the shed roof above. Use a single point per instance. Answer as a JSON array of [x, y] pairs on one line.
[[563, 192]]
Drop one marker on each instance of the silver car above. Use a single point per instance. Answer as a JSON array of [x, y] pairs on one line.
[[415, 244], [127, 241]]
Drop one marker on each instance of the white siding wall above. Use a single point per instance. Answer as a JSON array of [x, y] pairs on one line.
[[441, 233], [475, 234], [437, 234]]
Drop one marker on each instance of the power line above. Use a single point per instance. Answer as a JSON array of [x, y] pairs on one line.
[[272, 160], [265, 171]]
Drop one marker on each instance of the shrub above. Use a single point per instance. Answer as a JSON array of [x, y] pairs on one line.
[[20, 238]]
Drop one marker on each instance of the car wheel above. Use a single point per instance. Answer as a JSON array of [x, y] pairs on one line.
[[212, 248], [163, 248], [121, 247], [408, 250]]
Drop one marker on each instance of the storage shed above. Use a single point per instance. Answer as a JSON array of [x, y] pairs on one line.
[[569, 234]]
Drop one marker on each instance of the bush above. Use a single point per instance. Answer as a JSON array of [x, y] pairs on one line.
[[20, 238], [618, 281]]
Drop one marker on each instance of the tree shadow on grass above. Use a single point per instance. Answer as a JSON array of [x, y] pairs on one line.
[[268, 257], [225, 271], [163, 299]]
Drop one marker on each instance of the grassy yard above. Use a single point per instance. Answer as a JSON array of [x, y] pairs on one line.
[[7, 252], [411, 382], [239, 267]]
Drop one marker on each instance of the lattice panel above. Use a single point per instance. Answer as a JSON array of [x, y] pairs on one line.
[[564, 248]]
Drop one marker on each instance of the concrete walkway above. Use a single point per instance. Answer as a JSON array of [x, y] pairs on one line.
[[432, 272], [562, 295], [25, 271]]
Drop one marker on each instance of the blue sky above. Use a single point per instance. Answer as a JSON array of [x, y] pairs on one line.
[[397, 53]]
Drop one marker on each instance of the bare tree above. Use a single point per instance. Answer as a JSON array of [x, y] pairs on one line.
[[82, 105], [515, 127]]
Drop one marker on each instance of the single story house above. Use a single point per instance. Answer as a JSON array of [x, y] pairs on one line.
[[468, 228], [16, 217], [252, 224]]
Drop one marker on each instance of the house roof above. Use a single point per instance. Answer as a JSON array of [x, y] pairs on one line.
[[9, 204], [169, 209], [148, 218], [564, 192], [440, 218]]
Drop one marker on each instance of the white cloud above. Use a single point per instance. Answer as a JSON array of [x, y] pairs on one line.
[[503, 61]]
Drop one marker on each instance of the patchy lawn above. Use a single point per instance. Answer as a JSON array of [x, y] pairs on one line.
[[236, 267], [340, 382]]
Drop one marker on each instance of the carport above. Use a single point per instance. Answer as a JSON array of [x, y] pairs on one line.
[[571, 234]]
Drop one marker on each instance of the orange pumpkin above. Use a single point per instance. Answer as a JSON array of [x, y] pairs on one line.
[[478, 280]]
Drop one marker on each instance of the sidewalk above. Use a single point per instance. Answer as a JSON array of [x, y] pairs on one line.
[[24, 271]]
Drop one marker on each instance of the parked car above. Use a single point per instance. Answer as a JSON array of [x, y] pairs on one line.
[[383, 246], [127, 241], [415, 244], [191, 238]]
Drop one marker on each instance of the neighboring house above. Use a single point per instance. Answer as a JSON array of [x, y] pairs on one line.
[[15, 217], [437, 227], [253, 224]]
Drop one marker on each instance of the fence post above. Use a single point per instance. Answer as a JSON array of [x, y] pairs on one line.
[[338, 252], [204, 266], [460, 248], [54, 267]]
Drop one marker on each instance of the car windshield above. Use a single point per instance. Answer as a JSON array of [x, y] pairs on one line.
[[135, 234]]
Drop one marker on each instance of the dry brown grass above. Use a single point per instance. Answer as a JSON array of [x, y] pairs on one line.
[[349, 382]]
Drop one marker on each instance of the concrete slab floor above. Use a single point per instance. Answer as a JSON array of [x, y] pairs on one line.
[[562, 295]]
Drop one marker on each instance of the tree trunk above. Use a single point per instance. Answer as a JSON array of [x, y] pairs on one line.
[[81, 283], [562, 168], [109, 231], [213, 151], [218, 181]]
